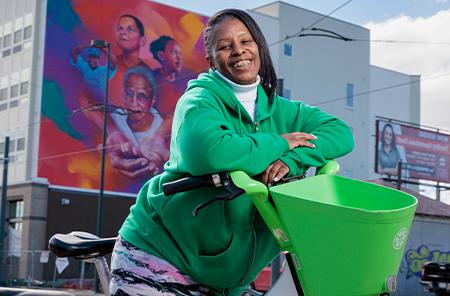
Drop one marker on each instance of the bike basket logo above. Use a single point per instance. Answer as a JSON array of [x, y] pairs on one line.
[[400, 238]]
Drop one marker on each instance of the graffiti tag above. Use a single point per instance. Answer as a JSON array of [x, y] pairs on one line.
[[416, 258]]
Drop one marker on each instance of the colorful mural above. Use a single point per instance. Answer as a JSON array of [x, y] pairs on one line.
[[154, 51]]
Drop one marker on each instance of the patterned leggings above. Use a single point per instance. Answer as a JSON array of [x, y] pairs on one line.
[[137, 273]]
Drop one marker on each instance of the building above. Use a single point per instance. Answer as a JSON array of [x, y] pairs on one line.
[[337, 76], [325, 71]]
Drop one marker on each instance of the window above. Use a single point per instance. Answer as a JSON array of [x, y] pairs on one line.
[[14, 90], [27, 32], [7, 40], [287, 50], [6, 53], [13, 104], [287, 93], [2, 149], [349, 102], [1, 42], [3, 106], [20, 144], [3, 94], [17, 36], [16, 214], [17, 48], [24, 88]]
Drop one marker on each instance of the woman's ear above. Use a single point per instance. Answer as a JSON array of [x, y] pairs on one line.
[[210, 62]]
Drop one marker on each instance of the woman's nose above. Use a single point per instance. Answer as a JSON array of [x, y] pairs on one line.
[[238, 49]]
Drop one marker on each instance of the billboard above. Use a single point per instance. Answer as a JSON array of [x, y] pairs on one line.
[[424, 154], [154, 51]]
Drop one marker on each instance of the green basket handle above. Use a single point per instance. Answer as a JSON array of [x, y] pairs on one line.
[[331, 168]]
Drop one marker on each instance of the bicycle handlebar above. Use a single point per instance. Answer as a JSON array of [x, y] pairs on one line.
[[186, 184]]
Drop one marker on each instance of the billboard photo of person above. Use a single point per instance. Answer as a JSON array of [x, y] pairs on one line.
[[388, 154], [139, 147]]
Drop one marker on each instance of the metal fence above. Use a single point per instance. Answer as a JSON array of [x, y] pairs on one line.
[[40, 268]]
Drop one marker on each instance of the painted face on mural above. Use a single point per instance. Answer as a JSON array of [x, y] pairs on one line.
[[171, 58], [138, 98], [93, 61], [128, 36], [234, 52]]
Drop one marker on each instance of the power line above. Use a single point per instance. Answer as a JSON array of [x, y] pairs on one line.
[[384, 88], [313, 24]]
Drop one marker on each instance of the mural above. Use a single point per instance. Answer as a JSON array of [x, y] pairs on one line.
[[154, 51], [415, 258]]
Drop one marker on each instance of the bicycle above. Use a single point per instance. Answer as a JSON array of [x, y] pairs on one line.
[[386, 218]]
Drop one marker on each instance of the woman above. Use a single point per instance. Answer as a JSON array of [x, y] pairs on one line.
[[228, 119], [388, 155], [170, 77]]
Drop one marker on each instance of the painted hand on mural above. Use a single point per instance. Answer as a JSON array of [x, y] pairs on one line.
[[154, 149], [128, 158]]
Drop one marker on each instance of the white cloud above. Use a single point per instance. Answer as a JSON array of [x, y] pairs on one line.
[[422, 59], [441, 1]]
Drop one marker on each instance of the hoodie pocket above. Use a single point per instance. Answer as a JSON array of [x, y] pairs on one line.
[[224, 268]]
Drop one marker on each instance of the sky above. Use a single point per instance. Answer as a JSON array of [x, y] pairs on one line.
[[425, 22]]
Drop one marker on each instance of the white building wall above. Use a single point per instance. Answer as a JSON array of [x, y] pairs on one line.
[[16, 55], [320, 69], [393, 95]]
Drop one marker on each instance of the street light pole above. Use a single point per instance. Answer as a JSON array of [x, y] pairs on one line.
[[103, 44]]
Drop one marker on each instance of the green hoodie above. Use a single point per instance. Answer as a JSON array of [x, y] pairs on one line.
[[227, 244]]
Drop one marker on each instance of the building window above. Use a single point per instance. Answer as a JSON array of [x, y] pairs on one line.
[[12, 146], [7, 40], [13, 104], [349, 102], [16, 214], [14, 91], [27, 32], [20, 144], [3, 94], [6, 53], [24, 88], [3, 106], [17, 36], [287, 50], [1, 42], [287, 93], [17, 48]]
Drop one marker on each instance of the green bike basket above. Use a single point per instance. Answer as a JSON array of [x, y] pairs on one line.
[[348, 236]]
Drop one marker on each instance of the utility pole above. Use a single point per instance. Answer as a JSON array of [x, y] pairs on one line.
[[3, 205]]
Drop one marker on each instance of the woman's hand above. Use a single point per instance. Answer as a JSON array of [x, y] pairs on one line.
[[297, 139], [274, 172]]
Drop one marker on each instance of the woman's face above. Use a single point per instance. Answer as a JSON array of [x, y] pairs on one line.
[[388, 135], [234, 52], [127, 34]]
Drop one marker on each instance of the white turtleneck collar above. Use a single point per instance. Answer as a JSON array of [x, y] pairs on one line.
[[245, 93]]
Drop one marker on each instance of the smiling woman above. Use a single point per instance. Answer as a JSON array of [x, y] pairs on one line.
[[227, 119]]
